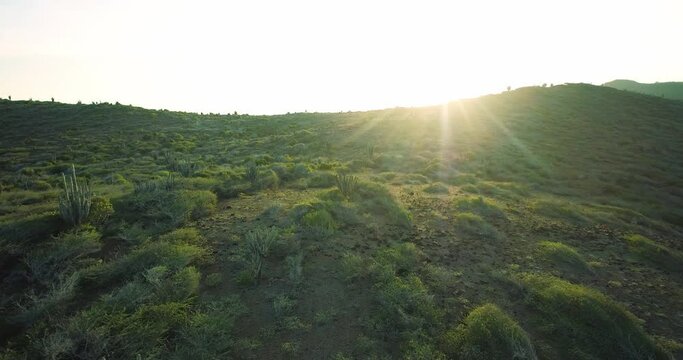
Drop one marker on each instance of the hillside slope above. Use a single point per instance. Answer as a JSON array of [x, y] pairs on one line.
[[553, 213], [668, 90]]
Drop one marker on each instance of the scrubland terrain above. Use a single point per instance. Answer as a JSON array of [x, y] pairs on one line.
[[538, 223]]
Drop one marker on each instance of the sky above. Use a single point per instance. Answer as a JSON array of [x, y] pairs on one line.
[[271, 57]]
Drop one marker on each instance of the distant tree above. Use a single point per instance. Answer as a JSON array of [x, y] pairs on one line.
[[52, 99], [509, 87], [545, 85], [10, 97]]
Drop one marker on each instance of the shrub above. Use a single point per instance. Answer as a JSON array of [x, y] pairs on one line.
[[150, 254], [405, 306], [75, 199], [319, 222], [436, 188], [213, 280], [295, 268], [353, 266], [403, 258], [283, 306], [480, 206], [469, 224], [322, 179], [488, 333], [183, 235], [347, 184], [100, 210], [657, 254], [377, 199], [251, 174], [563, 255], [268, 180], [590, 323], [200, 203], [63, 252], [209, 333]]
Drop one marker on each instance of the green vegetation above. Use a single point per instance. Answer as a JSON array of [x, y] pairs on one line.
[[488, 333], [563, 255], [364, 235], [590, 323], [657, 254], [75, 200]]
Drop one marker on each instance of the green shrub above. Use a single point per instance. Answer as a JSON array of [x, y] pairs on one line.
[[405, 306], [353, 266], [589, 323], [63, 252], [283, 306], [403, 258], [319, 222], [488, 333], [480, 206], [377, 200], [210, 331], [183, 235], [469, 224], [75, 199], [251, 174], [268, 180], [322, 179], [563, 255], [148, 255], [100, 210], [213, 279], [180, 286], [295, 268], [200, 203], [436, 188], [657, 254]]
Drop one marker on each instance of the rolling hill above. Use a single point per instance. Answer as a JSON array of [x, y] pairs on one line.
[[669, 90], [544, 223]]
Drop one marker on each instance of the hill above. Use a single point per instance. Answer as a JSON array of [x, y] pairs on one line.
[[540, 223], [669, 90]]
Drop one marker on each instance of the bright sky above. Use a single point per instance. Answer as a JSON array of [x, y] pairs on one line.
[[266, 57]]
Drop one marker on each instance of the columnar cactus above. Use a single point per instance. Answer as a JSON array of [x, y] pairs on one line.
[[75, 200]]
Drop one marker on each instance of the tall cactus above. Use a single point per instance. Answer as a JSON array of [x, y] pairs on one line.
[[75, 200]]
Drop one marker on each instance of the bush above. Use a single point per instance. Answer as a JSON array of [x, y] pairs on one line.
[[469, 224], [295, 268], [563, 255], [183, 235], [488, 333], [480, 206], [589, 323], [251, 174], [436, 188], [100, 210], [65, 251], [403, 258], [213, 280], [319, 222], [150, 254], [657, 254]]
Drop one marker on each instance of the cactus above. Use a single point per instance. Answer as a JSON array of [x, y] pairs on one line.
[[75, 200], [347, 184]]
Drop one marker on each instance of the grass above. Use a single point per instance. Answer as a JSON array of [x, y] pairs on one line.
[[657, 254], [488, 333], [563, 255], [472, 225], [587, 321], [420, 235]]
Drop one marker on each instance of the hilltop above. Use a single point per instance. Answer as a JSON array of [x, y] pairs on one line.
[[540, 222], [669, 90]]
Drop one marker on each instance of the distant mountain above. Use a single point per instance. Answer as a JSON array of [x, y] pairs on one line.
[[669, 90]]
